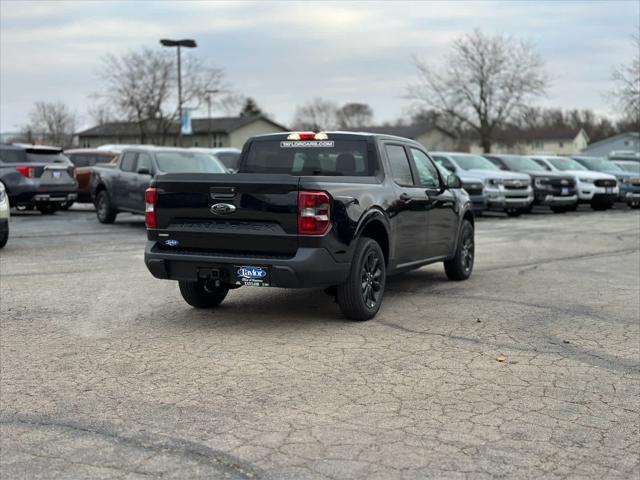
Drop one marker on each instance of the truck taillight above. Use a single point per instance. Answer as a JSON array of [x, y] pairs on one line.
[[151, 199], [25, 171], [313, 213]]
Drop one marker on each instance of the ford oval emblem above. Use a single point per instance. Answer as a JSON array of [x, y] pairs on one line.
[[172, 243], [223, 208]]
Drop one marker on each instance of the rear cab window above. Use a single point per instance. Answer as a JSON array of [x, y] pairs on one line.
[[399, 162], [349, 157]]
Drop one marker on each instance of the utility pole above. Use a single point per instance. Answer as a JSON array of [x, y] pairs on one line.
[[188, 43], [209, 93]]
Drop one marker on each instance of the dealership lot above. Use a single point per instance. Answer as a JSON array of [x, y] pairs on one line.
[[531, 368]]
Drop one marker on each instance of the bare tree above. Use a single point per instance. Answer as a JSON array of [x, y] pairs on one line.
[[485, 82], [54, 122], [101, 113], [626, 91], [316, 115], [352, 115], [141, 85]]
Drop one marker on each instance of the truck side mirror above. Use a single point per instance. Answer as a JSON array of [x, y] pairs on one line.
[[143, 171], [453, 181]]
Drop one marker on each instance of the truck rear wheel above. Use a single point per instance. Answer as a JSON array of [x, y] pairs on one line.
[[202, 294], [360, 297], [461, 265], [104, 210]]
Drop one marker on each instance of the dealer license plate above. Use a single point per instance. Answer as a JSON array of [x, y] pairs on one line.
[[252, 276], [609, 189], [565, 191]]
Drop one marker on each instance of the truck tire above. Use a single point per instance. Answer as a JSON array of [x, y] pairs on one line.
[[461, 265], [4, 237], [360, 297], [66, 205], [104, 210], [47, 208], [201, 295], [515, 212], [634, 205]]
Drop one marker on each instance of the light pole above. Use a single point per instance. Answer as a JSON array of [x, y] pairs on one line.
[[187, 43], [209, 92]]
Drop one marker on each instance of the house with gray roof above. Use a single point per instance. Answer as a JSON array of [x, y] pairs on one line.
[[625, 142], [207, 132]]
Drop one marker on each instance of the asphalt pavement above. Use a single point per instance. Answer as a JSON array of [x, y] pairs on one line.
[[530, 369]]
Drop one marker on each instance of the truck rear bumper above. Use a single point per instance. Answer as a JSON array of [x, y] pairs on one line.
[[308, 268]]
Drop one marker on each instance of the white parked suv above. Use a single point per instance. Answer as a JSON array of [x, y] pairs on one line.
[[4, 216], [598, 189]]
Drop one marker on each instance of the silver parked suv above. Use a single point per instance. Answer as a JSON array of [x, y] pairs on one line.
[[503, 191]]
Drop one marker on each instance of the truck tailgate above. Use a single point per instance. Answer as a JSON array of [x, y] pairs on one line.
[[236, 214]]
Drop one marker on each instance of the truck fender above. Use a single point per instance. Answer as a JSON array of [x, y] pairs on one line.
[[374, 215]]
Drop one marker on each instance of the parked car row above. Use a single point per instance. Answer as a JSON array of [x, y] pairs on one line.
[[515, 183]]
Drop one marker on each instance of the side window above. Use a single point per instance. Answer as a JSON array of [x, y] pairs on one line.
[[496, 161], [542, 164], [426, 170], [400, 169], [443, 161], [128, 161], [144, 161]]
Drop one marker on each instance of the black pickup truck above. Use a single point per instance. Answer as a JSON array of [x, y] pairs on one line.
[[335, 210], [120, 186]]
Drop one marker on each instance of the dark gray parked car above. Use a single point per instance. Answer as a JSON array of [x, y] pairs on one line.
[[37, 177]]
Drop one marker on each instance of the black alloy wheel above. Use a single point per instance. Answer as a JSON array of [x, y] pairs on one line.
[[460, 266], [361, 295], [370, 278]]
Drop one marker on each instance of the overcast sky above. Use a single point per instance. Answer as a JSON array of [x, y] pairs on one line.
[[283, 54]]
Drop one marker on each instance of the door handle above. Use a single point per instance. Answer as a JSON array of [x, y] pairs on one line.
[[405, 198]]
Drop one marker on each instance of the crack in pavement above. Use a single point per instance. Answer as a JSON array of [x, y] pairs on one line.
[[225, 463]]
